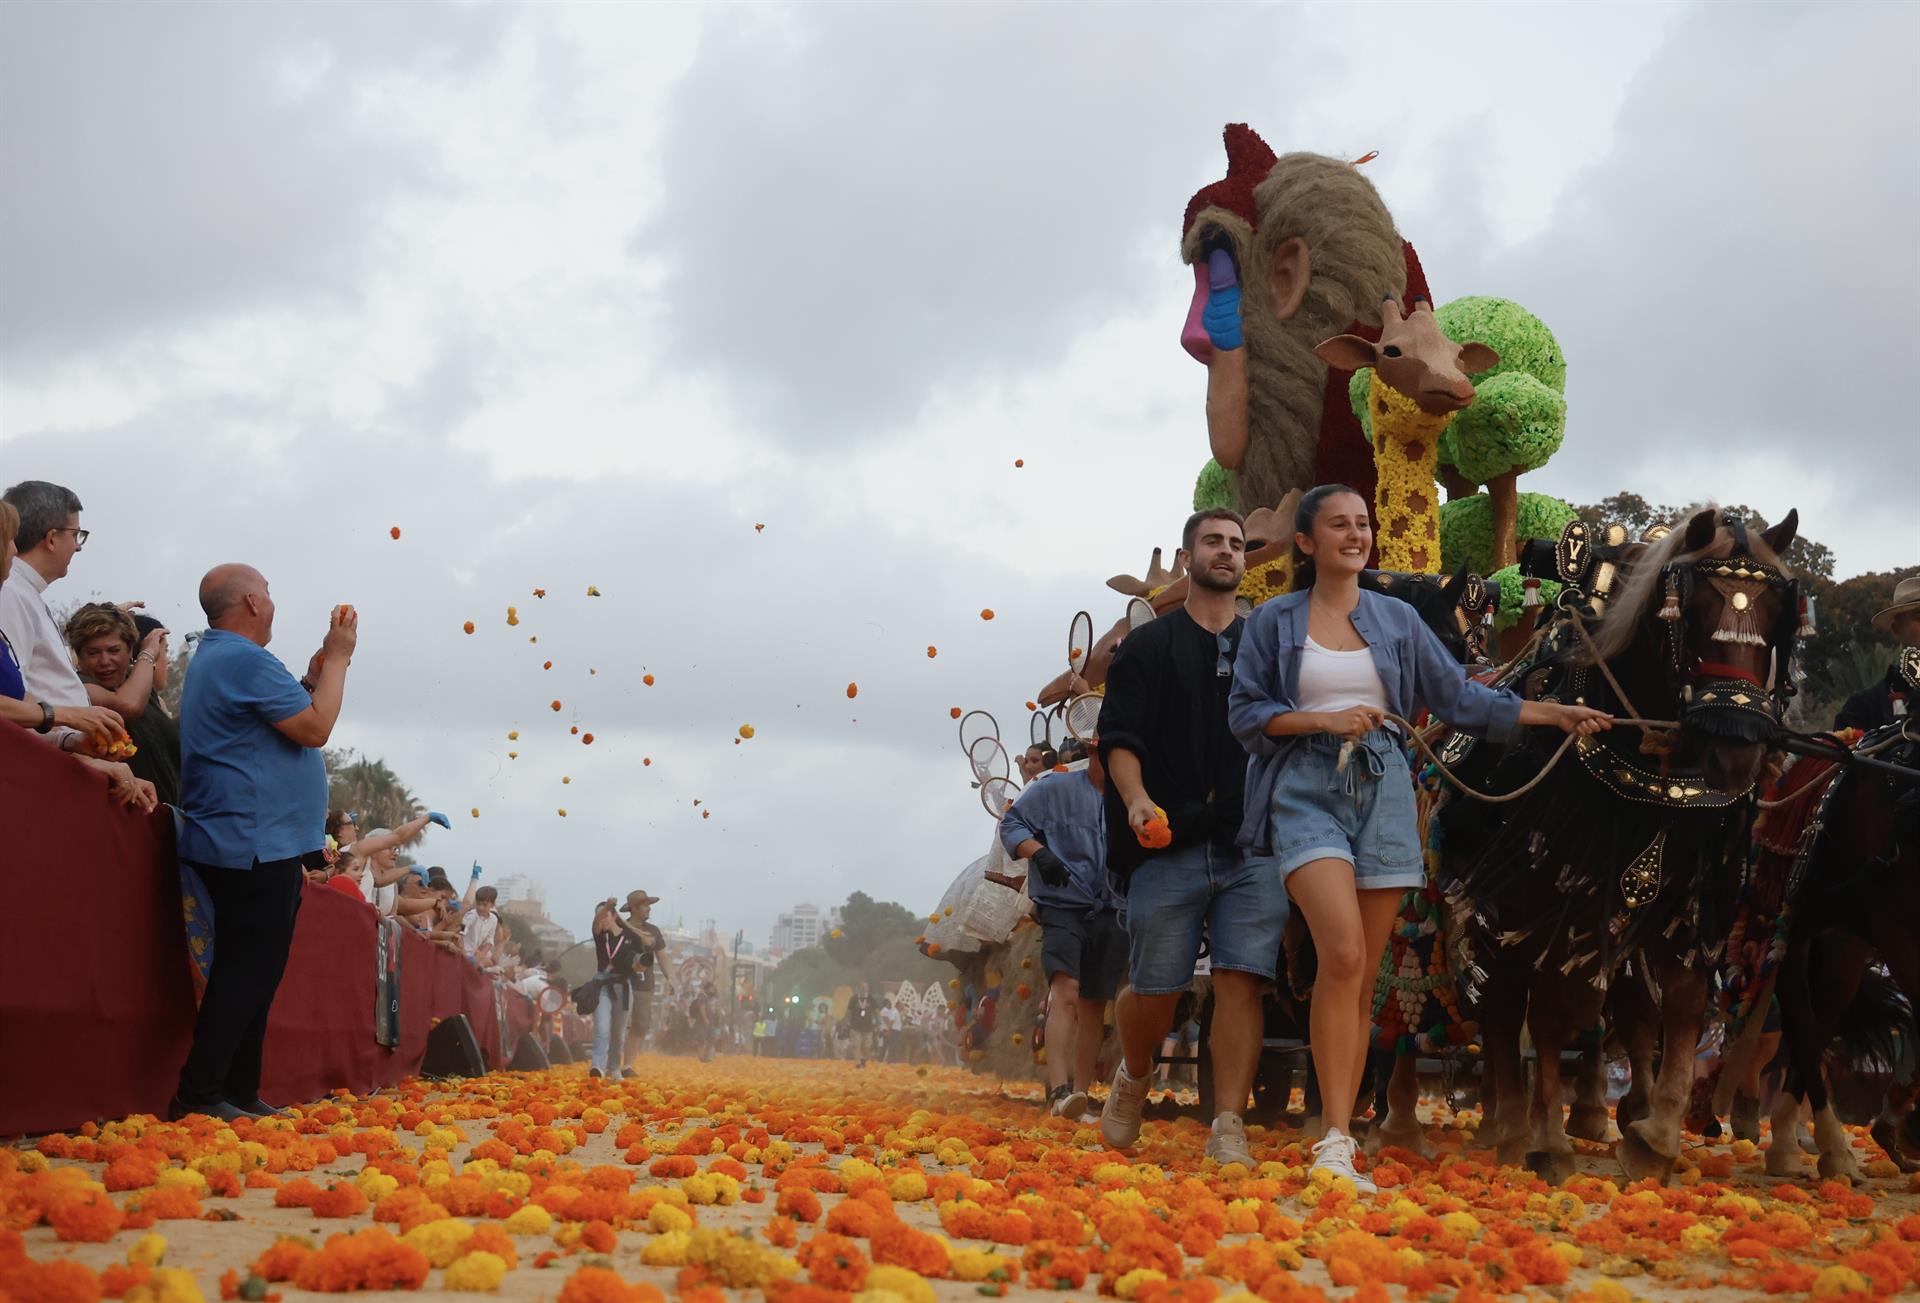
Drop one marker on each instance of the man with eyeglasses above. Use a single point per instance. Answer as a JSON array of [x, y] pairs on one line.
[[1165, 741], [48, 539]]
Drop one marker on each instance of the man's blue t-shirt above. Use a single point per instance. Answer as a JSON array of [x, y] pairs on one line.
[[248, 791]]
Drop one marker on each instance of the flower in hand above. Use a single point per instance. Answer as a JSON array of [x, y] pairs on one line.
[[1155, 834]]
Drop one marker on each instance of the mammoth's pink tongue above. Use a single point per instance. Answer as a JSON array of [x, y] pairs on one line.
[[1193, 336]]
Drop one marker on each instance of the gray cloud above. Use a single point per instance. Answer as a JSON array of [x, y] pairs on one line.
[[161, 162], [1735, 268], [869, 201]]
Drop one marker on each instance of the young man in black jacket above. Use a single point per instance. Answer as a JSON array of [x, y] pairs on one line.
[[1165, 741]]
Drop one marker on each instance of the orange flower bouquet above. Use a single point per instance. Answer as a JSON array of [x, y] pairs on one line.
[[1157, 835]]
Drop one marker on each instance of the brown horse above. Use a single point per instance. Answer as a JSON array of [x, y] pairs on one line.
[[1856, 894], [1619, 866]]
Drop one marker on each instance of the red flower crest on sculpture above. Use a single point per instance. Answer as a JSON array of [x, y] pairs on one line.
[[1248, 161]]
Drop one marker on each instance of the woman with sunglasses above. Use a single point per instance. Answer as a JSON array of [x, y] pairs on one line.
[[1329, 796]]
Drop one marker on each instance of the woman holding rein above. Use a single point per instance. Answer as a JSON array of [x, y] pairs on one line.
[[1330, 798]]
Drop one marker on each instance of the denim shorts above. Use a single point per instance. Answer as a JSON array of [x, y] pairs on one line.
[[1176, 897], [1086, 945], [1364, 815]]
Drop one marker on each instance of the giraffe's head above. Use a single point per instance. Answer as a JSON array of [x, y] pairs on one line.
[[1414, 357]]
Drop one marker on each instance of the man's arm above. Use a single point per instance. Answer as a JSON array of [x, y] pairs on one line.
[[1131, 690], [313, 726]]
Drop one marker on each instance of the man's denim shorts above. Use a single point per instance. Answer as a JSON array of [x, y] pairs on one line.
[[1364, 815], [1181, 894]]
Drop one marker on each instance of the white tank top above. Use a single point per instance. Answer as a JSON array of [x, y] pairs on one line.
[[1339, 680]]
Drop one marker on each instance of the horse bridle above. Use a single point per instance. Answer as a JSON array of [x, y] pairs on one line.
[[1717, 697]]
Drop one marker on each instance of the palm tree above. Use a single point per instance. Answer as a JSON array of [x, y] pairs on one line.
[[370, 789]]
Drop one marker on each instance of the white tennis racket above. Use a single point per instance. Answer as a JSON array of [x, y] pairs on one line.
[[974, 725], [988, 759], [1139, 612], [1083, 716], [1057, 727], [997, 795], [1037, 728]]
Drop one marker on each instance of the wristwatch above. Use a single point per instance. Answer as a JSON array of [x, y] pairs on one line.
[[46, 718]]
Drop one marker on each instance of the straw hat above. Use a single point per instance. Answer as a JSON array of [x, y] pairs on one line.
[[1906, 597]]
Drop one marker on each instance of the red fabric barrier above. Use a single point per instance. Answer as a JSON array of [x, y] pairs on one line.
[[320, 1033], [96, 998]]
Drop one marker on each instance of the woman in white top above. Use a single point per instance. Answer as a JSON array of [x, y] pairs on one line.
[[1329, 797]]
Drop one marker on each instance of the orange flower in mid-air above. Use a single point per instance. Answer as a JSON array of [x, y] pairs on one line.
[[647, 679], [986, 613], [539, 592], [468, 626], [932, 651], [586, 739], [759, 528], [1018, 462], [395, 531], [853, 690], [547, 665], [556, 705], [953, 712], [746, 730]]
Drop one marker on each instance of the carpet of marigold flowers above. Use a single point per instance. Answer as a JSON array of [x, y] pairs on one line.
[[819, 1183]]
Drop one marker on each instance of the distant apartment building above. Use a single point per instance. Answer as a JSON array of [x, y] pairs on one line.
[[801, 927], [525, 897]]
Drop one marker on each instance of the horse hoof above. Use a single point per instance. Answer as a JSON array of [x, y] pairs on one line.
[[1550, 1165], [1784, 1158], [1640, 1160], [1884, 1135], [1588, 1122], [1841, 1164], [1746, 1118], [1413, 1139]]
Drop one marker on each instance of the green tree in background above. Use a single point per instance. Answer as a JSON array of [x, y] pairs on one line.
[[370, 789], [875, 946]]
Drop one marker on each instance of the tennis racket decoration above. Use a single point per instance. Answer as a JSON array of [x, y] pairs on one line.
[[1057, 727], [997, 795], [552, 1000], [1037, 728], [974, 725], [1083, 716], [988, 760], [1139, 612], [1079, 642], [1243, 607]]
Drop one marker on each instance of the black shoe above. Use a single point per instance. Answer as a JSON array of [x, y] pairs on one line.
[[176, 1110], [595, 1072], [627, 1072], [259, 1108]]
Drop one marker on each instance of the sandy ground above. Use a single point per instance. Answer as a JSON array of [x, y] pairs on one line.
[[207, 1248]]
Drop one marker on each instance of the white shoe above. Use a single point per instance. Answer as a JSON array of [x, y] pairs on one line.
[[1070, 1105], [1227, 1142], [1335, 1154], [1120, 1119]]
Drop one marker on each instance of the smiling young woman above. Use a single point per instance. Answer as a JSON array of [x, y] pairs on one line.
[[1329, 796]]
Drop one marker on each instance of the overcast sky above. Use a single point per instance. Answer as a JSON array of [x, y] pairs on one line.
[[579, 296]]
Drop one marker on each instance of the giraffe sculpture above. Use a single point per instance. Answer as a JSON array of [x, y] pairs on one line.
[[1419, 381]]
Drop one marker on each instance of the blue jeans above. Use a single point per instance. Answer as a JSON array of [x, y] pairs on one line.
[[610, 1031], [1179, 895]]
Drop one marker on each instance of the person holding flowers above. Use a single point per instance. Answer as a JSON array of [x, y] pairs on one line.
[[1173, 813], [1329, 797], [254, 805]]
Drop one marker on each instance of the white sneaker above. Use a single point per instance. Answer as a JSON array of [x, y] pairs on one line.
[[1120, 1119], [1228, 1142], [1070, 1105], [1335, 1153]]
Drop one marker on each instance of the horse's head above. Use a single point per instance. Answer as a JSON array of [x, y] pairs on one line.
[[1711, 614], [1459, 610]]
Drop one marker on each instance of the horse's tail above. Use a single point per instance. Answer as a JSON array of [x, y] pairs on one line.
[[1871, 1030]]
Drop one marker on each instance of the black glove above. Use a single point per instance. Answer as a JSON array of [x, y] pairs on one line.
[[1050, 868]]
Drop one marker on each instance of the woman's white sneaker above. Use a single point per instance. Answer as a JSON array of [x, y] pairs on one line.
[[1120, 1119], [1335, 1153]]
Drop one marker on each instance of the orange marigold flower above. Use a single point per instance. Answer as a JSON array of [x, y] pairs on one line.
[[91, 1217], [117, 1279], [175, 1203], [835, 1262], [599, 1285]]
